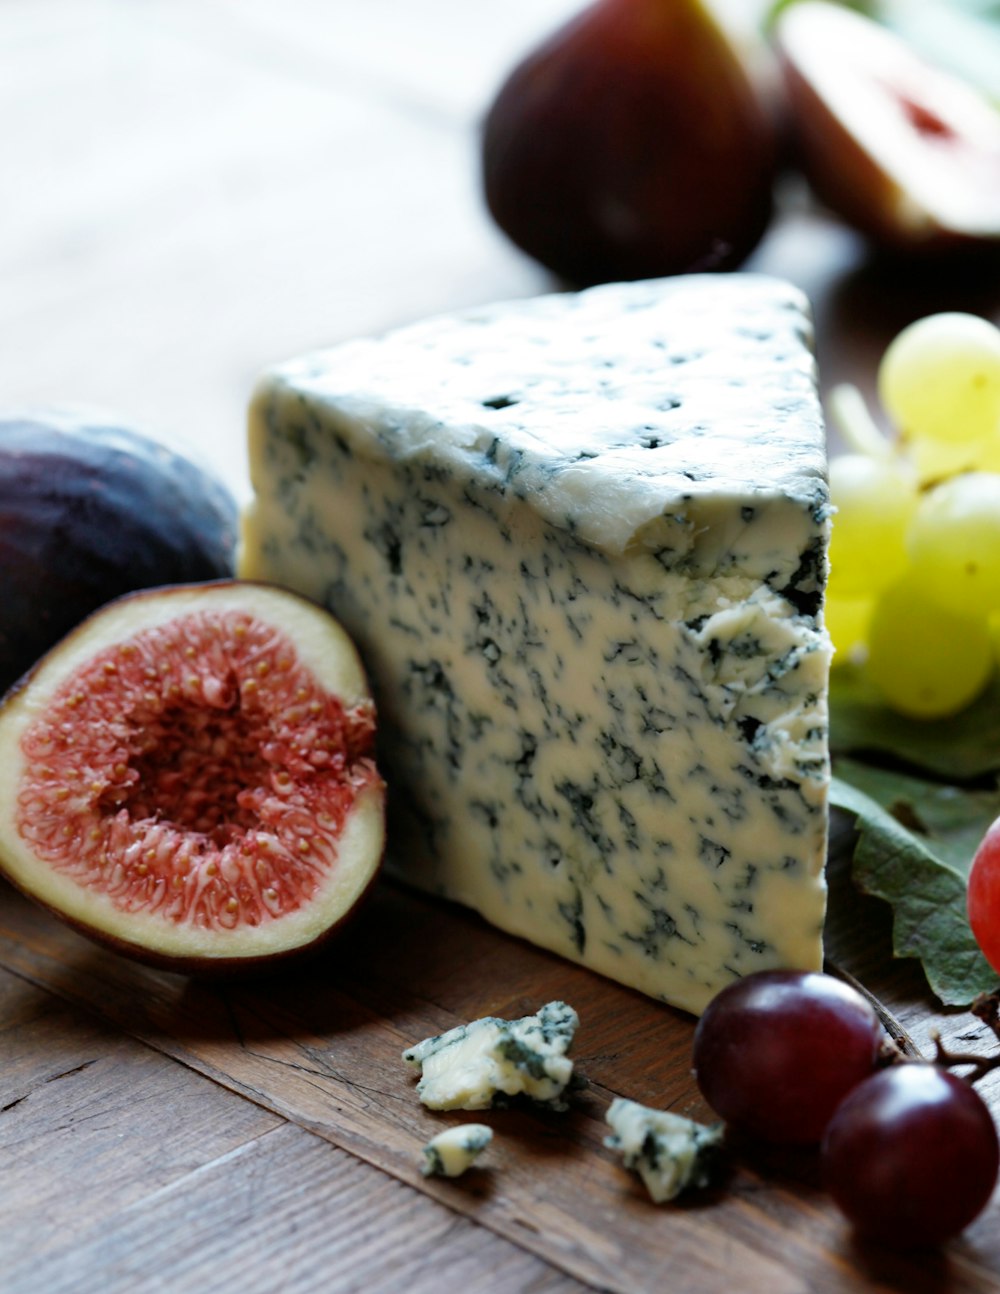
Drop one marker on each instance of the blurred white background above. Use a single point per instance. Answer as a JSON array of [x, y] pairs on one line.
[[193, 189]]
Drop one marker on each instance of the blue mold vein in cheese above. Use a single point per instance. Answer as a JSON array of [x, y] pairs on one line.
[[580, 541]]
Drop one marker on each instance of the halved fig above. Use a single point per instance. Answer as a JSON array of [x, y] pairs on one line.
[[904, 151], [188, 776]]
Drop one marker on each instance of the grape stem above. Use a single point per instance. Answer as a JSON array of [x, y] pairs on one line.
[[902, 1045], [986, 1007], [849, 410]]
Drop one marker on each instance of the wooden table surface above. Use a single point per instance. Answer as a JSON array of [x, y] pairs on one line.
[[193, 189]]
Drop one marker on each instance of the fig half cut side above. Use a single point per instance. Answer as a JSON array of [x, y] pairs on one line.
[[189, 777], [904, 151]]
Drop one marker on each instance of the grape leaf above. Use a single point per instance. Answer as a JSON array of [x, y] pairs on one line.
[[962, 748], [914, 847]]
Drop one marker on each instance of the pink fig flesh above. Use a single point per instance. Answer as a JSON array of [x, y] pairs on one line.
[[189, 776], [905, 152]]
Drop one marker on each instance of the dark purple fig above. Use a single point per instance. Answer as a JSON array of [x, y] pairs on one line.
[[89, 511], [631, 144]]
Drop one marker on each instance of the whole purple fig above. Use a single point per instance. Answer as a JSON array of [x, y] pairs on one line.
[[631, 144], [90, 511]]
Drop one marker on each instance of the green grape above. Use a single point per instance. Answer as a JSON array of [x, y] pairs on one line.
[[847, 624], [927, 662], [935, 460], [874, 500], [939, 379], [994, 623], [983, 456], [954, 544]]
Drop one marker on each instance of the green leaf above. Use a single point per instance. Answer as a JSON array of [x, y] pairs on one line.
[[870, 8], [962, 748], [915, 844]]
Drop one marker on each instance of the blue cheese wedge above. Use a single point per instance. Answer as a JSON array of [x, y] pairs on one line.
[[451, 1152], [581, 543], [490, 1061], [670, 1153]]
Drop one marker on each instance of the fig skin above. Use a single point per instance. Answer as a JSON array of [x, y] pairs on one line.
[[631, 144], [90, 511], [901, 150], [325, 649]]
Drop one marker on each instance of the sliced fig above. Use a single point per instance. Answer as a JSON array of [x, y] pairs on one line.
[[90, 511], [904, 151], [188, 776]]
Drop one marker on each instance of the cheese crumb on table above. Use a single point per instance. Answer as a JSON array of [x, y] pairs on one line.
[[451, 1152], [490, 1061], [670, 1153]]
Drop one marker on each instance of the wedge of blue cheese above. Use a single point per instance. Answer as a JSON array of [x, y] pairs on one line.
[[672, 1154], [455, 1150], [490, 1061], [580, 541]]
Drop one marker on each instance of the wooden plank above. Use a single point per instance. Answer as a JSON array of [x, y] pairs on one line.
[[287, 1212], [83, 1118], [123, 1170], [320, 1045]]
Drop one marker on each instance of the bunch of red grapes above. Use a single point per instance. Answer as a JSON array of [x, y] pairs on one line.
[[909, 1150]]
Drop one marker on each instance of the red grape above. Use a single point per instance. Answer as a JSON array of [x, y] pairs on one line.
[[984, 896], [776, 1052], [911, 1155]]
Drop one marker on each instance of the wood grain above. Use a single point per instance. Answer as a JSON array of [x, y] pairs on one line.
[[320, 1046], [75, 1095], [288, 1213], [123, 1171]]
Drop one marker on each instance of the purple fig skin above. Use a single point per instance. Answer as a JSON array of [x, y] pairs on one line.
[[89, 512], [631, 144]]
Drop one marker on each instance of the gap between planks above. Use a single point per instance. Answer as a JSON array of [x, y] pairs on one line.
[[327, 1060], [556, 1192], [324, 1210]]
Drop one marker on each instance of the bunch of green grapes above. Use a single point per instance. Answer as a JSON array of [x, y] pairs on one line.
[[915, 557]]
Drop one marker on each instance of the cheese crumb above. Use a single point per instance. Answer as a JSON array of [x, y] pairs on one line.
[[451, 1152], [490, 1061], [670, 1153]]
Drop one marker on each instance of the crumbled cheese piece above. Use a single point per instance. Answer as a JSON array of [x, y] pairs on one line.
[[670, 1153], [474, 1066], [451, 1152]]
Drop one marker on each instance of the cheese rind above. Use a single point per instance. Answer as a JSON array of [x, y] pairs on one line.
[[581, 544]]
